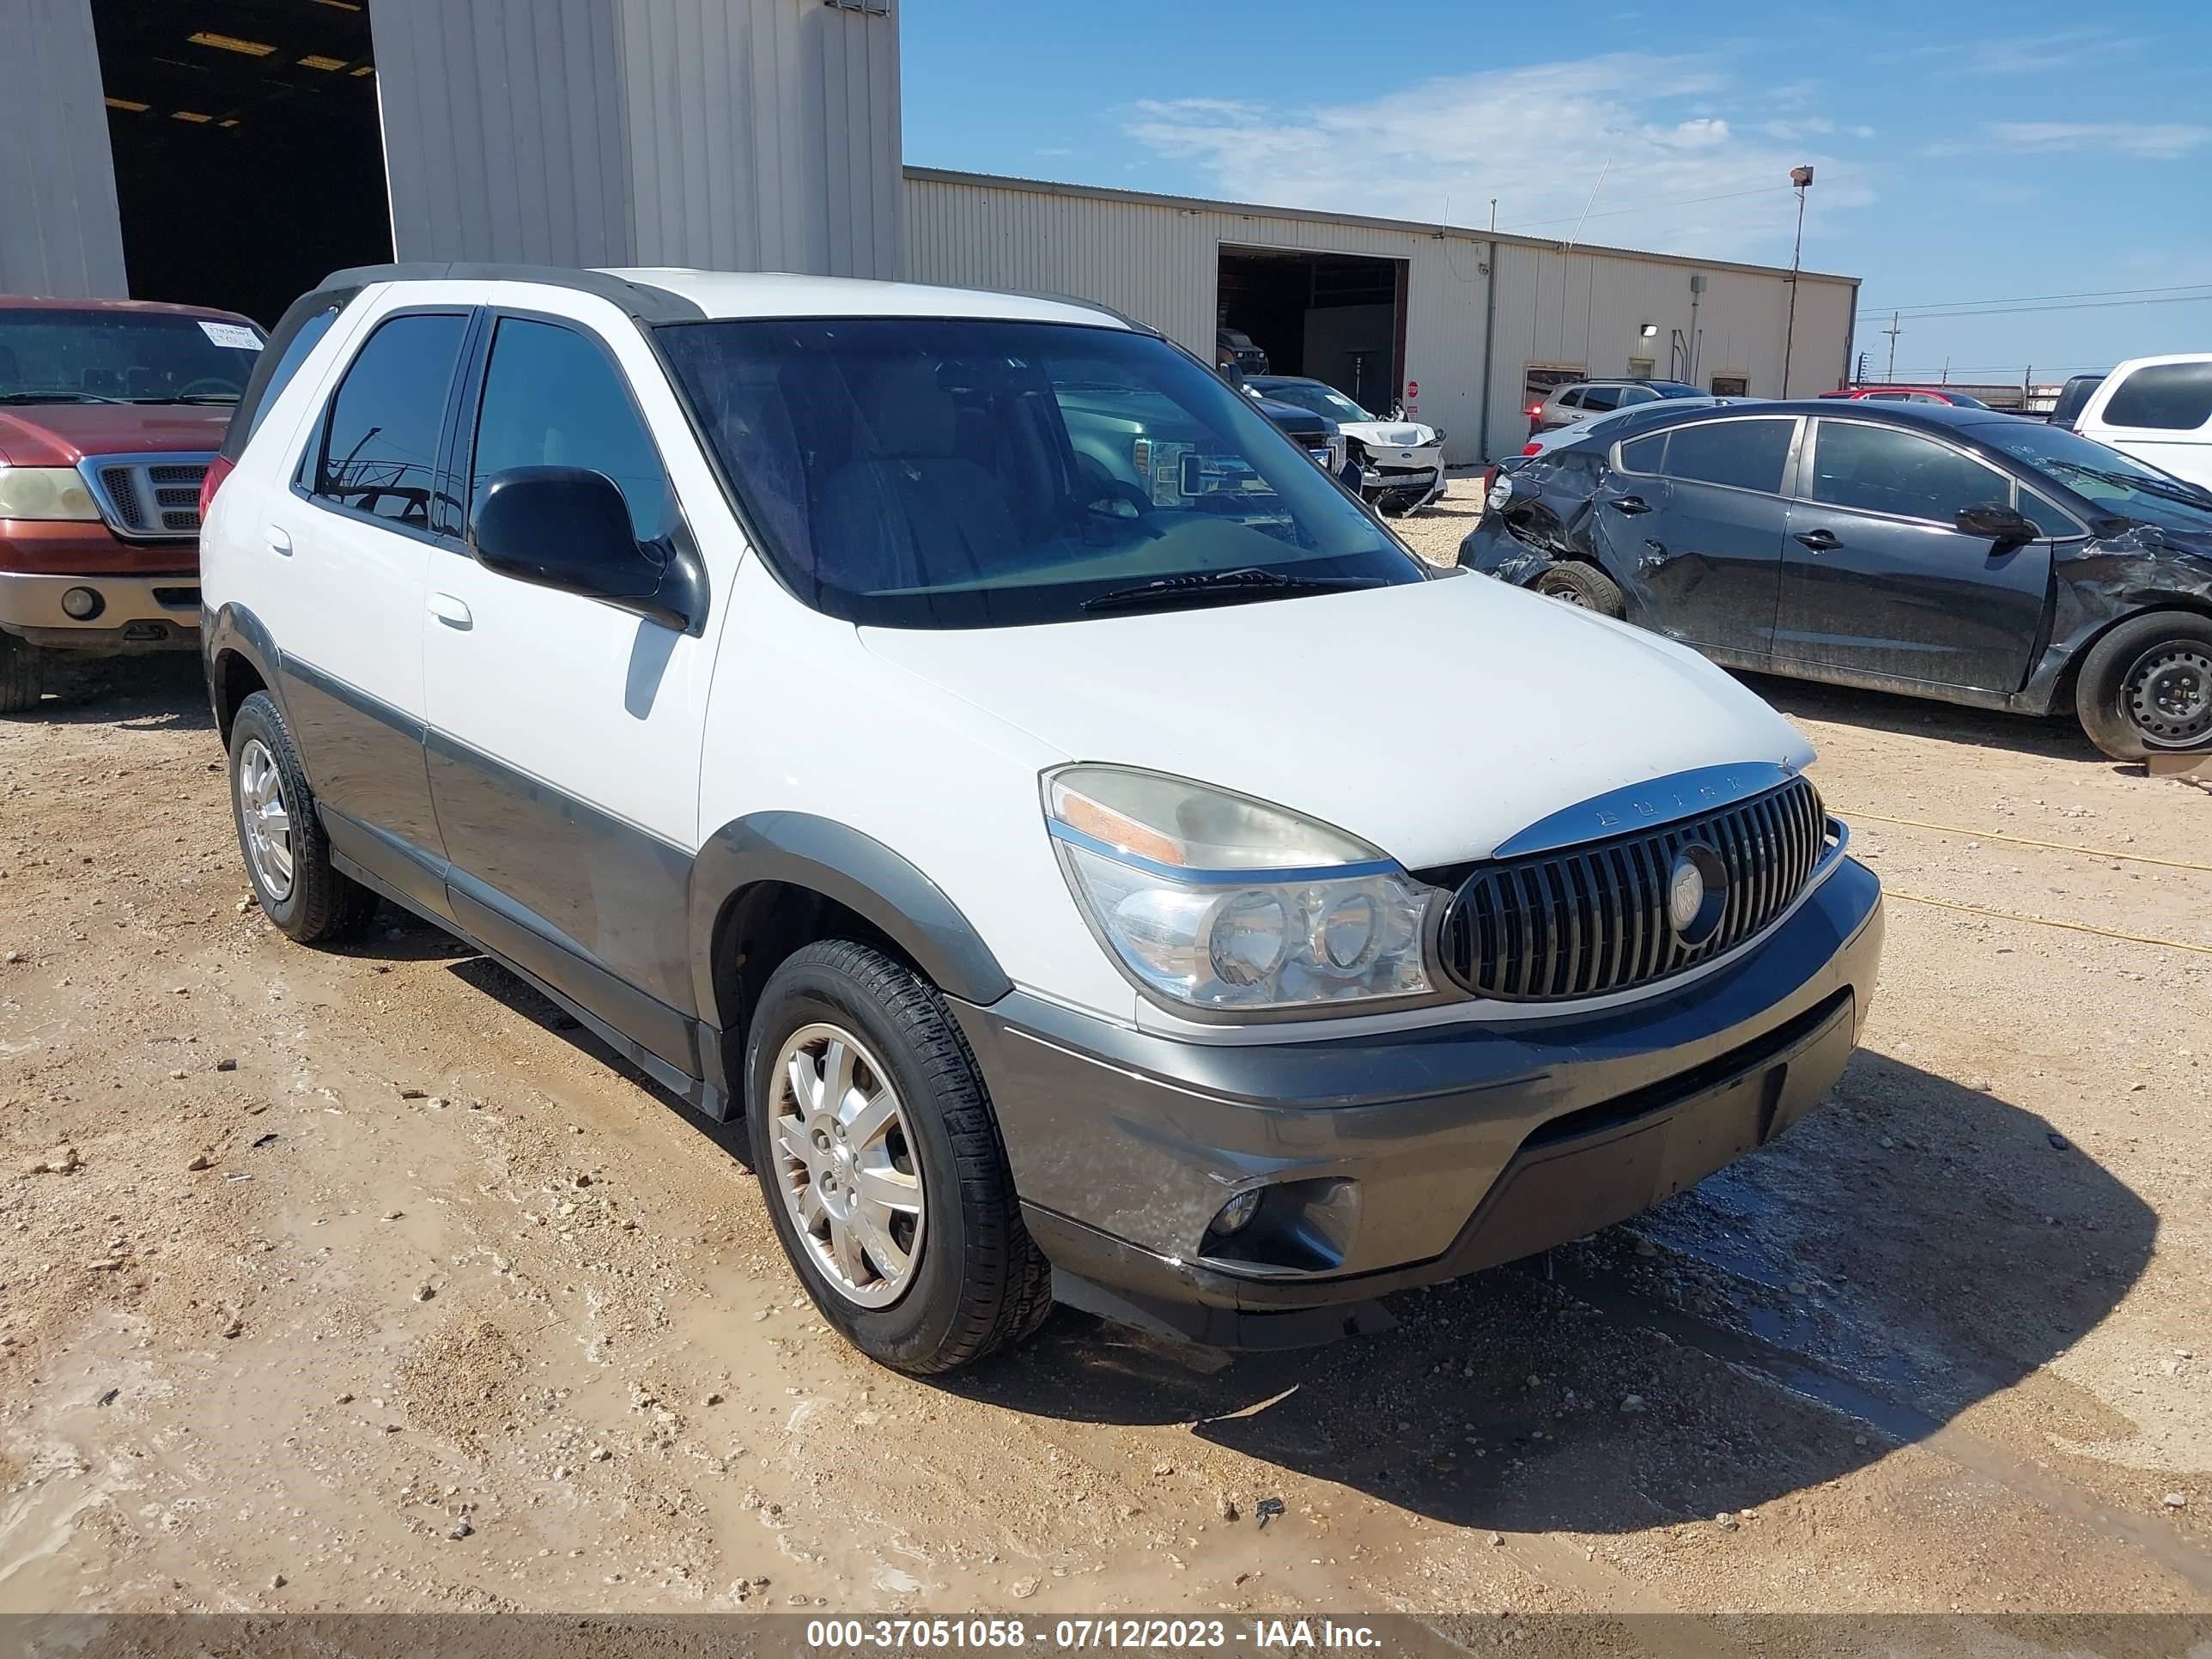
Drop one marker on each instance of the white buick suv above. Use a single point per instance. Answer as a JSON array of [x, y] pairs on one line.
[[1098, 868]]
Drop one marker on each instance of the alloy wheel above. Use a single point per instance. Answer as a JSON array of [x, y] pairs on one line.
[[267, 819], [849, 1164]]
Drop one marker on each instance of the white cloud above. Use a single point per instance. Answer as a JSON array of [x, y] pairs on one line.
[[2149, 141], [1537, 138], [2035, 54]]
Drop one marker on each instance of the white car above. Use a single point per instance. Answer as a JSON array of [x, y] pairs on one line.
[[2158, 410], [814, 688], [1398, 465]]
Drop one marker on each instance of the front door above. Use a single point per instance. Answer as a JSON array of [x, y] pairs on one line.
[[1877, 578], [565, 731], [1692, 518]]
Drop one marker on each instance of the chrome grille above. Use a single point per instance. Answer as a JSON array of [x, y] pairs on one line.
[[148, 496], [1590, 919]]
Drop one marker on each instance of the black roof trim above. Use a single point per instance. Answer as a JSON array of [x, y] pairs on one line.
[[641, 301]]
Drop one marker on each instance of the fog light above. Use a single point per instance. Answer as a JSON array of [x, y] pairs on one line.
[[83, 605], [1237, 1213]]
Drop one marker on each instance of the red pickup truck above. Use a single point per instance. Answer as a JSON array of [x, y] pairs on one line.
[[110, 412]]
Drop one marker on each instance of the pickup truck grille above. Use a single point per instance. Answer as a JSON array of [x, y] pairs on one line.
[[1592, 919], [148, 496]]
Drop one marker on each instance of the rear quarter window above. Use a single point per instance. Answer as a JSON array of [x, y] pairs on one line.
[[2164, 398]]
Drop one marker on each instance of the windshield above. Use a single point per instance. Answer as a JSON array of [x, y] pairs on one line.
[[1675, 389], [2113, 482], [49, 356], [933, 472], [1312, 394]]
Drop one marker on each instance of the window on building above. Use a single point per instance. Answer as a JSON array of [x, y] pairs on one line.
[[379, 448], [1730, 385]]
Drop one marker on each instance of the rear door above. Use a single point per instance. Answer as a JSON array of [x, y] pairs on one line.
[[349, 546], [1877, 578], [2161, 413], [1693, 514]]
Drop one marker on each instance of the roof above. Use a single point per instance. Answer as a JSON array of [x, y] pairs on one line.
[[1934, 416], [1313, 216], [147, 307], [724, 294]]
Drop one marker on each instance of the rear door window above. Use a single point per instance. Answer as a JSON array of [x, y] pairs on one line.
[[1885, 468], [1602, 397], [2164, 398], [1741, 454], [378, 451]]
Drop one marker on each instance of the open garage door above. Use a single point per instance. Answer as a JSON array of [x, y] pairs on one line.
[[1336, 316], [249, 159]]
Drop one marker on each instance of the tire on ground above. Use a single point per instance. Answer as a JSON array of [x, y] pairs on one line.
[[322, 905], [980, 1281], [2102, 690], [1584, 584], [19, 678]]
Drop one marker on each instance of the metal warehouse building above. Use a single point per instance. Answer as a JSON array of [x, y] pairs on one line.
[[230, 152]]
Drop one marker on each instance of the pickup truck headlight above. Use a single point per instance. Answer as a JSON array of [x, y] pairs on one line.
[[44, 492], [1218, 902]]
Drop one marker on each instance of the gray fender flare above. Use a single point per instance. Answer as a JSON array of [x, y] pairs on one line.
[[858, 871], [236, 631]]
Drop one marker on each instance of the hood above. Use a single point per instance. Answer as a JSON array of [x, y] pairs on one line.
[[1433, 720], [1291, 418], [61, 434], [1391, 434]]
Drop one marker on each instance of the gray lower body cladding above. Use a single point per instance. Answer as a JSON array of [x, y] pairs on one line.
[[1444, 1150]]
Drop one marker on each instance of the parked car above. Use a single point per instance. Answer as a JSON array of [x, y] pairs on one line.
[[1559, 434], [1909, 394], [1315, 433], [1398, 465], [754, 666], [2073, 395], [1579, 400], [110, 410], [1234, 346], [1952, 553], [2158, 410]]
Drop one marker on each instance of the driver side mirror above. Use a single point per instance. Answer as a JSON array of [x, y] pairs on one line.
[[1994, 522], [567, 527]]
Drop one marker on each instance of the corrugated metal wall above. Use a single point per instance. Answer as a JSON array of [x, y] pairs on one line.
[[738, 134], [1157, 260], [60, 232]]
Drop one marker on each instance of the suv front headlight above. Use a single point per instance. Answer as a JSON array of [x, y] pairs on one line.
[[1217, 901], [44, 492]]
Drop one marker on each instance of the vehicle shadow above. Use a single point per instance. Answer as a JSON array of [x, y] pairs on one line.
[[2057, 737], [1905, 1252], [158, 693]]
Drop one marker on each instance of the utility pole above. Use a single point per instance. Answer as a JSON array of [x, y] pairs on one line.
[[1802, 178], [1494, 216], [1893, 331]]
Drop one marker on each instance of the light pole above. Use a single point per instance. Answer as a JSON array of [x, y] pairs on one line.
[[1802, 179]]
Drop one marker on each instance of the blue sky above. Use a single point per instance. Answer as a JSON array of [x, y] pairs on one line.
[[1966, 154]]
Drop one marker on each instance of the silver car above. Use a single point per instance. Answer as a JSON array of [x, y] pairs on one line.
[[1579, 400]]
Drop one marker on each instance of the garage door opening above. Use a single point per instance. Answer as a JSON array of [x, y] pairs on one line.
[[1335, 317], [249, 160]]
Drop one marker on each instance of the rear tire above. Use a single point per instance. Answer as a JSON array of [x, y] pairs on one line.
[[2147, 686], [963, 1276], [1583, 585], [280, 834], [21, 678]]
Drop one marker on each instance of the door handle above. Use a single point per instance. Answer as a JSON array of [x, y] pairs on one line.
[[280, 541], [451, 611], [1632, 505], [1821, 541]]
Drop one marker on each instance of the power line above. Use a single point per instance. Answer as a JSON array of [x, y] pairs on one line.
[[2081, 305], [2028, 299]]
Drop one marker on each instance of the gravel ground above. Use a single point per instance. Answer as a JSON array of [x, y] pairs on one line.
[[362, 1279]]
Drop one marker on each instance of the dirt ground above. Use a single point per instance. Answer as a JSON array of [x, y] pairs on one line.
[[363, 1280]]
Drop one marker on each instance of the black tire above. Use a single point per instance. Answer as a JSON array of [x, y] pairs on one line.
[[320, 905], [1583, 585], [2147, 686], [978, 1281], [21, 684]]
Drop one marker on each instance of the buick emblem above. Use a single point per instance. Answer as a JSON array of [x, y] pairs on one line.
[[1697, 893]]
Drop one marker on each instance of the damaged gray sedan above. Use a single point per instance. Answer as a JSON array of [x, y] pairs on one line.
[[1957, 553]]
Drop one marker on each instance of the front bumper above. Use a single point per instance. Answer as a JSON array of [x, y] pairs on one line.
[[138, 612], [1413, 1157]]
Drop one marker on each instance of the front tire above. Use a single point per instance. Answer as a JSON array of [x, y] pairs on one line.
[[280, 834], [2147, 686], [880, 1158], [1584, 585], [22, 681]]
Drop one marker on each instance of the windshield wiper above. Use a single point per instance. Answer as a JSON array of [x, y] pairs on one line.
[[2187, 494], [190, 397], [1208, 586], [56, 398]]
